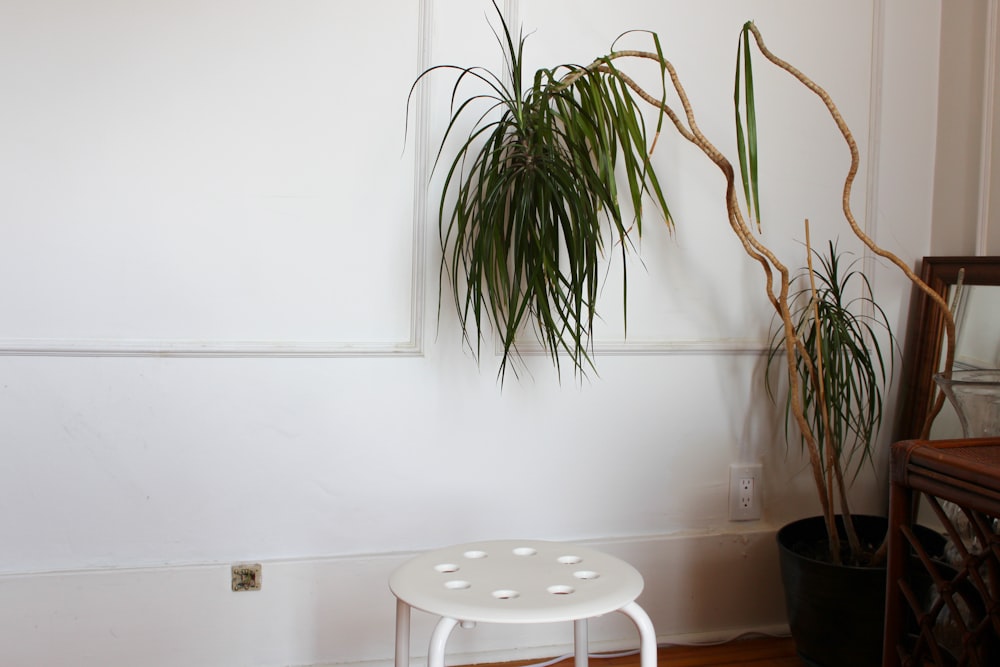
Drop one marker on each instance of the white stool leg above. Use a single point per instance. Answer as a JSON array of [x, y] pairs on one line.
[[402, 634], [647, 635], [581, 642], [435, 654]]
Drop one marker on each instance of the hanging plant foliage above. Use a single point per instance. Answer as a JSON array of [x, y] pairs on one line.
[[531, 196]]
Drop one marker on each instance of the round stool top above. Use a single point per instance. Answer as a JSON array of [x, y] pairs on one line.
[[525, 581]]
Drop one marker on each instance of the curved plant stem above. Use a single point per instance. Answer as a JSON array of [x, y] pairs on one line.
[[765, 257], [776, 270], [949, 321]]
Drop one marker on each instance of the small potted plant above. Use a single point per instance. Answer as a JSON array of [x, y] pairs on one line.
[[835, 585]]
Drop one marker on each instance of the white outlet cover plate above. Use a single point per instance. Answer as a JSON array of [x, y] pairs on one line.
[[738, 509]]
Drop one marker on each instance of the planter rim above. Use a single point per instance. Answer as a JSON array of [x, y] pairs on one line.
[[783, 532]]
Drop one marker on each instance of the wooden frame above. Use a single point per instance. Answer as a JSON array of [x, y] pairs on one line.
[[925, 334]]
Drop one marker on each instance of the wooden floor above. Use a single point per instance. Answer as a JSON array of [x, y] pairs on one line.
[[767, 652]]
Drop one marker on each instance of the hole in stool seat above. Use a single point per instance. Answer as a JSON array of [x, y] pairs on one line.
[[570, 560], [561, 590], [586, 574], [524, 551], [473, 555], [506, 594], [457, 585], [444, 568]]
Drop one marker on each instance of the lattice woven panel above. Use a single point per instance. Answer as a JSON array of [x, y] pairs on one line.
[[953, 600]]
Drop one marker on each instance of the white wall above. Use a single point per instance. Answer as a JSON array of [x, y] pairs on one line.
[[960, 125], [220, 338], [988, 242], [966, 218]]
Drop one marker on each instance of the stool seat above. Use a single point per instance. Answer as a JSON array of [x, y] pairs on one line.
[[516, 581], [509, 581]]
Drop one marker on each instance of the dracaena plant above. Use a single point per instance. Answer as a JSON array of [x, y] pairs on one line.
[[538, 183], [842, 372], [531, 194]]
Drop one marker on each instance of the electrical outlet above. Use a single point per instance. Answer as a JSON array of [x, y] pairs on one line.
[[246, 577], [744, 491]]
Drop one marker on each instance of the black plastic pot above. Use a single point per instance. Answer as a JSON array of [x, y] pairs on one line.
[[836, 612]]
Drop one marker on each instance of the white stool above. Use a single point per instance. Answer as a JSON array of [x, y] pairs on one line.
[[516, 582]]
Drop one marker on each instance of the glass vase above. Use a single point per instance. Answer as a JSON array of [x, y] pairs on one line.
[[975, 394]]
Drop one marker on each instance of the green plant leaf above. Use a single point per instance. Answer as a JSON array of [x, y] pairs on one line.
[[746, 133], [855, 370], [530, 196]]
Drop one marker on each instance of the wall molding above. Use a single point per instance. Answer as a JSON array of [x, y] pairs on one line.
[[25, 347], [873, 150], [986, 145], [708, 346]]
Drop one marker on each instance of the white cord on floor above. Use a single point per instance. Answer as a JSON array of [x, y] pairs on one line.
[[554, 661], [623, 654]]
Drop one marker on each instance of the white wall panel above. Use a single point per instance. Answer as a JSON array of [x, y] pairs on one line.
[[208, 176]]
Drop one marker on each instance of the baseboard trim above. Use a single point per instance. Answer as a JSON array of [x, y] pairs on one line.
[[597, 649], [319, 612]]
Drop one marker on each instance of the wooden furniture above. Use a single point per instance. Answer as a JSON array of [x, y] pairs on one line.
[[925, 334], [944, 610]]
